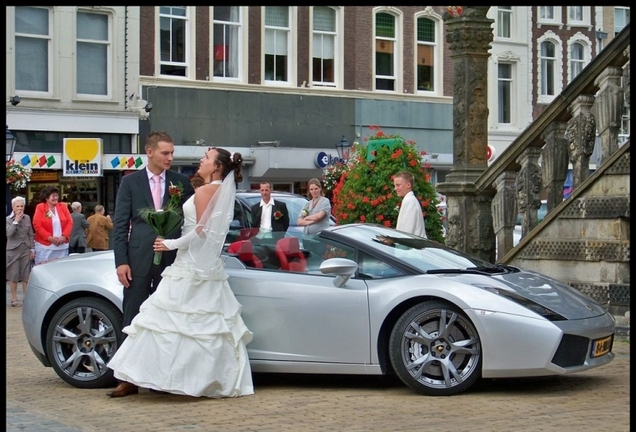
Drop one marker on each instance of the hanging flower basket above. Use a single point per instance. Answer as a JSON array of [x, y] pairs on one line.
[[17, 175]]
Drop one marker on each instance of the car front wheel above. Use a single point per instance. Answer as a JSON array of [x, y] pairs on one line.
[[82, 338], [435, 349]]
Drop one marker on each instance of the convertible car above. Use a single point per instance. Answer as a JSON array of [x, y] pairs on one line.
[[355, 299]]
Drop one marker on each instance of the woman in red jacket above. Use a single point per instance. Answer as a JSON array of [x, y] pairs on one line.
[[52, 224]]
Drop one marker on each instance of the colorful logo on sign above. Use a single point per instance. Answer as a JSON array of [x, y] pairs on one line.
[[82, 157], [41, 161], [126, 162]]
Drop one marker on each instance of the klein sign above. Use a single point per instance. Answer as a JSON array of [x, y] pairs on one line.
[[82, 157]]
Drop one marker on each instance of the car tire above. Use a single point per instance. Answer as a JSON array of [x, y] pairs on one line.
[[82, 337], [431, 360]]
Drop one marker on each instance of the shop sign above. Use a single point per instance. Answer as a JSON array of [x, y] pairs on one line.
[[38, 160], [82, 157], [323, 160], [43, 176], [125, 162]]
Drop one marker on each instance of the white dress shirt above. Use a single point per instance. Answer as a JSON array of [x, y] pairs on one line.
[[266, 214]]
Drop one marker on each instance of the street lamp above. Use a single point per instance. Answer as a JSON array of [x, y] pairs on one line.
[[11, 140], [343, 148]]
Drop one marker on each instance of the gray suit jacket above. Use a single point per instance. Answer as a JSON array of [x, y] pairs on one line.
[[20, 233], [132, 236], [78, 234]]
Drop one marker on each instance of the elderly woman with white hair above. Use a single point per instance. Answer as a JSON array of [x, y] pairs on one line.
[[20, 248]]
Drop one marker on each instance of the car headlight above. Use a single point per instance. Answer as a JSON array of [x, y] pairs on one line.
[[541, 310]]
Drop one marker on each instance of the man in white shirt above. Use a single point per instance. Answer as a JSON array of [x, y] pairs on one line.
[[410, 218], [269, 216]]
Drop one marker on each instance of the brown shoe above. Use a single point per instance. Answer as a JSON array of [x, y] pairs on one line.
[[123, 389]]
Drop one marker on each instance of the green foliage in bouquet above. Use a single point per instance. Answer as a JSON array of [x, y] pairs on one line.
[[364, 192]]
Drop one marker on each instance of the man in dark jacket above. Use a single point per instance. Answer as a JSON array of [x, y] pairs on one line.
[[270, 217]]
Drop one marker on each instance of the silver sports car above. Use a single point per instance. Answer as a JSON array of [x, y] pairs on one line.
[[356, 299]]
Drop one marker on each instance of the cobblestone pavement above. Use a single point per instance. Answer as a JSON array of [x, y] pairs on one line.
[[38, 400]]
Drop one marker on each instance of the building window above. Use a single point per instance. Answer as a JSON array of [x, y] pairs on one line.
[[277, 40], [324, 46], [93, 54], [504, 20], [547, 62], [173, 40], [549, 15], [575, 14], [546, 13], [621, 19], [426, 54], [504, 93], [577, 59], [226, 41], [33, 43], [385, 58]]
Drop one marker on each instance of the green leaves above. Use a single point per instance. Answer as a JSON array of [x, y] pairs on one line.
[[163, 222]]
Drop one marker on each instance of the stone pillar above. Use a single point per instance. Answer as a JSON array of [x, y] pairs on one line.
[[504, 211], [529, 189], [470, 227], [608, 109], [554, 165], [581, 134]]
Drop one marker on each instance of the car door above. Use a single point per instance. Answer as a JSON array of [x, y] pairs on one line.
[[302, 317]]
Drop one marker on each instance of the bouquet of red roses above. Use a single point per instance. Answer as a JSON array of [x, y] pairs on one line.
[[165, 220]]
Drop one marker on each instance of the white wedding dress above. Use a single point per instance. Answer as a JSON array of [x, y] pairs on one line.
[[189, 337]]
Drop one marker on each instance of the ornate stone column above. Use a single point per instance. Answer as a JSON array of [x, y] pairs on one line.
[[529, 189], [608, 109], [554, 162], [470, 227], [580, 134], [626, 77], [504, 211]]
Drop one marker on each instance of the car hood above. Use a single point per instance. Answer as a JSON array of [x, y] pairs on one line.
[[550, 293]]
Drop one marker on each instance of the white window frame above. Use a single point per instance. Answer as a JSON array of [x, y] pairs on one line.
[[586, 17], [50, 38], [291, 47], [338, 48], [109, 57], [241, 75], [582, 39], [550, 36], [625, 13], [189, 44], [397, 56], [438, 69], [555, 20], [511, 91], [499, 23]]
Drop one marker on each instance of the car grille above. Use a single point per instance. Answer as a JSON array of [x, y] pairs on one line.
[[572, 351]]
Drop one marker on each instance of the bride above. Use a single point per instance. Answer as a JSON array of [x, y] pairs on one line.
[[189, 337]]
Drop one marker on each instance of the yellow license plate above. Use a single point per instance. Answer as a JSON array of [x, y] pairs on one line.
[[601, 346]]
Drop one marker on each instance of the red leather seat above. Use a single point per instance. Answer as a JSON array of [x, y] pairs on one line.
[[290, 256], [245, 252]]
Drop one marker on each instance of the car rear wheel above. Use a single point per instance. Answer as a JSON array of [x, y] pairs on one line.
[[82, 338], [435, 349]]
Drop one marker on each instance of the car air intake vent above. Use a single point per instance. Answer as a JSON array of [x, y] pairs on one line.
[[572, 351]]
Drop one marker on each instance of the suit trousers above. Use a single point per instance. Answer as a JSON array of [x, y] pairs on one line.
[[141, 287]]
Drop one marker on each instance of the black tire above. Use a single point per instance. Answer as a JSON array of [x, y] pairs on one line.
[[435, 349], [82, 337]]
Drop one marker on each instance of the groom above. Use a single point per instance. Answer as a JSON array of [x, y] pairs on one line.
[[133, 238]]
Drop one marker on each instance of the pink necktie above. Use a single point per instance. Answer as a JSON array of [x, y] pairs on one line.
[[156, 191]]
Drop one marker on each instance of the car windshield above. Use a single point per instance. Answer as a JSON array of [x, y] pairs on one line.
[[294, 205], [415, 251]]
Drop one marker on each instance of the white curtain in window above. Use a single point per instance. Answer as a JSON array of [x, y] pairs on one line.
[[31, 48], [275, 42], [233, 39]]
